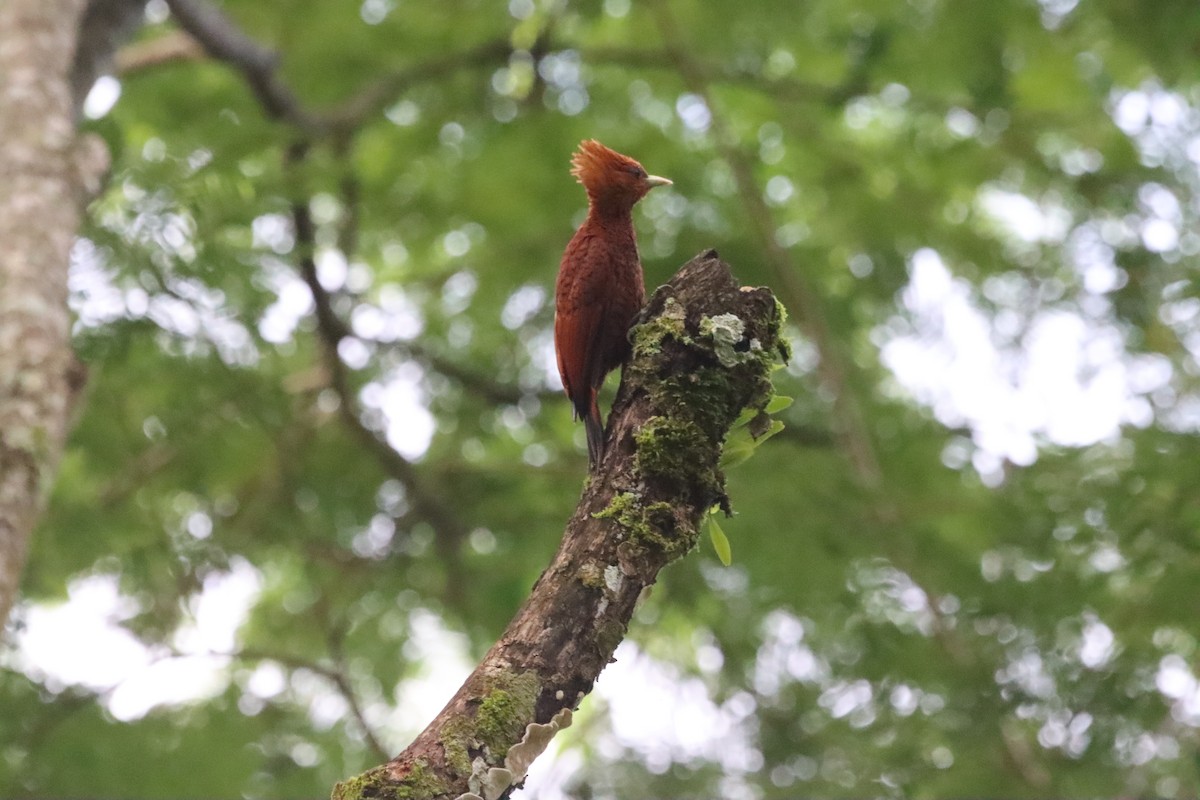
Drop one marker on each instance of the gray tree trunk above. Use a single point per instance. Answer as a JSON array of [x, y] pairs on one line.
[[45, 172]]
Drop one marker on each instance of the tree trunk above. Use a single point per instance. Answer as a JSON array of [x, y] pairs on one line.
[[703, 354], [45, 170]]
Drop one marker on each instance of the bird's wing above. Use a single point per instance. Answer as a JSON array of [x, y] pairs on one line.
[[576, 335], [580, 296]]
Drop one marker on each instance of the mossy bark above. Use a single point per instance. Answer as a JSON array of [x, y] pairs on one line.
[[703, 351]]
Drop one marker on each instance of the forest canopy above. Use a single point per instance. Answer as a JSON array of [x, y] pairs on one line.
[[323, 453]]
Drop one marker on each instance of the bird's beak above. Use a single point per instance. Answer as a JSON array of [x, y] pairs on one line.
[[654, 180]]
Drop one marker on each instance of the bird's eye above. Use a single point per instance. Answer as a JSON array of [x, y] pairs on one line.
[[636, 172]]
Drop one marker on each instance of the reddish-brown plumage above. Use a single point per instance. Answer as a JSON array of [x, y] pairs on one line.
[[600, 286]]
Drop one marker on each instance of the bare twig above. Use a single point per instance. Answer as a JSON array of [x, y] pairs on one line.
[[336, 675], [641, 58], [221, 38], [427, 501], [382, 92], [1022, 759], [169, 48], [224, 40], [476, 383], [36, 729], [341, 679], [350, 189]]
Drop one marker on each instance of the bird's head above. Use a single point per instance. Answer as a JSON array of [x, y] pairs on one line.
[[610, 178]]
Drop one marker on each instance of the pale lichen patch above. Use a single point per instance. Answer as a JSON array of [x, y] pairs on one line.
[[726, 332], [613, 579]]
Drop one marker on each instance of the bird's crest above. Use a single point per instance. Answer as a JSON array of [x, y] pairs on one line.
[[593, 161]]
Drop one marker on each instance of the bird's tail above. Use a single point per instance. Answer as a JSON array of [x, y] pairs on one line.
[[595, 432]]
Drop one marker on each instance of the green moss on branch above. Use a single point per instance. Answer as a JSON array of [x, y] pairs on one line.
[[419, 783], [506, 709]]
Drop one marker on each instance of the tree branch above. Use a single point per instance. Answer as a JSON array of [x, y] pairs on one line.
[[224, 40], [379, 94], [475, 382], [168, 48], [680, 393], [427, 501], [337, 675]]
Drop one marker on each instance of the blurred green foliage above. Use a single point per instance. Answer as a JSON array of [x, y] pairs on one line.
[[908, 613]]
